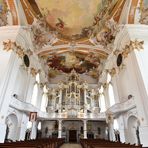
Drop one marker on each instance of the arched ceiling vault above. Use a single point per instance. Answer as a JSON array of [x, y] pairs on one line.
[[76, 34]]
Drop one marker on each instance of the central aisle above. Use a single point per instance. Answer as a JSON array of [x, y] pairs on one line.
[[68, 145]]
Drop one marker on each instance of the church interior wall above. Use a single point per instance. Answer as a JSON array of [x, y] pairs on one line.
[[131, 79]]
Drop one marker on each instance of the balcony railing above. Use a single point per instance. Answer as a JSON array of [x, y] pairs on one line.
[[122, 107], [27, 108]]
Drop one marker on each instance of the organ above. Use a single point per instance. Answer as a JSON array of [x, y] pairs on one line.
[[73, 97]]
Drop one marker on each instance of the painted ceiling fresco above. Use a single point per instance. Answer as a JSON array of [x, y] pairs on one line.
[[68, 16], [73, 18], [68, 61], [77, 22], [3, 13]]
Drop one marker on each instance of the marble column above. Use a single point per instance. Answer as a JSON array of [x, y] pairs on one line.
[[85, 129], [60, 129]]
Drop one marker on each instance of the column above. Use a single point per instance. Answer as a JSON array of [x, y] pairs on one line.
[[6, 91], [22, 127], [85, 102], [85, 129], [29, 92], [39, 98], [33, 130], [60, 101], [60, 129], [111, 132], [106, 97]]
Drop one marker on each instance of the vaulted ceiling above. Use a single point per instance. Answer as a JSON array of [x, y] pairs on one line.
[[80, 33], [76, 34]]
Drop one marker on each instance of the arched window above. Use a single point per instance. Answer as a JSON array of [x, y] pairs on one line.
[[110, 90], [44, 99], [35, 91], [102, 100], [38, 78], [39, 126], [29, 125], [116, 126], [34, 95]]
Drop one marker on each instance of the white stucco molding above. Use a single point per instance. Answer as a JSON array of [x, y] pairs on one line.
[[122, 107], [130, 32], [127, 33], [27, 108], [19, 34]]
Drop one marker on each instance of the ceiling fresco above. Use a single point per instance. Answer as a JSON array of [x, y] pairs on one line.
[[69, 17], [87, 26], [3, 13], [74, 19], [79, 62]]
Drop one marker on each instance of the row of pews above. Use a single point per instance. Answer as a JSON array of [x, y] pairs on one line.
[[101, 143], [39, 143]]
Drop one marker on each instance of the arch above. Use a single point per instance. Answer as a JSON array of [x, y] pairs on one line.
[[28, 130], [133, 125], [39, 132], [116, 125], [12, 124]]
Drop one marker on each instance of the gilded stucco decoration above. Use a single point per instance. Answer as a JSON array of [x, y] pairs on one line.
[[133, 45], [144, 12], [3, 13], [10, 45], [41, 33], [138, 45], [112, 71], [34, 71]]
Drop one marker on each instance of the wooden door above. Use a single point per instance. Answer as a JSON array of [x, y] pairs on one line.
[[72, 136]]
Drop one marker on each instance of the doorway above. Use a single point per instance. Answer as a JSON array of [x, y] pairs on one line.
[[72, 136], [132, 127]]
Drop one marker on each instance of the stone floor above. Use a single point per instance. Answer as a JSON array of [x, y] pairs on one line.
[[70, 145]]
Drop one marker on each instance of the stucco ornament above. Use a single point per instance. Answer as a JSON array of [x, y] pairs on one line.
[[107, 34], [3, 14], [144, 16], [33, 71], [41, 33], [10, 45], [132, 46]]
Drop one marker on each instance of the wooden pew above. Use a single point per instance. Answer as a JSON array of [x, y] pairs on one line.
[[39, 143], [101, 143]]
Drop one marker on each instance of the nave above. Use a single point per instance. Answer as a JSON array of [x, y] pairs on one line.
[[60, 143], [73, 70], [70, 145]]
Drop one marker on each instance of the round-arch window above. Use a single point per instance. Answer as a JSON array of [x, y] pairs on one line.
[[119, 59], [26, 60]]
